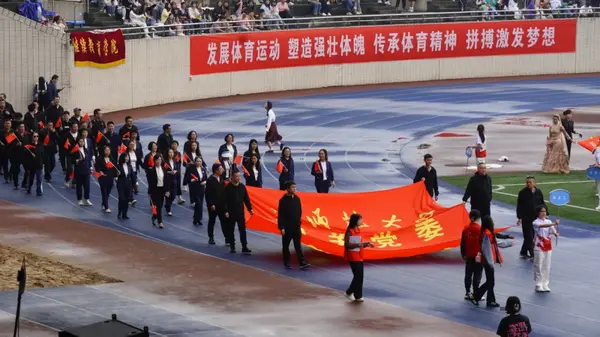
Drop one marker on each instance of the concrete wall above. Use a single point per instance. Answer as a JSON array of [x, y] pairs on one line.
[[28, 51]]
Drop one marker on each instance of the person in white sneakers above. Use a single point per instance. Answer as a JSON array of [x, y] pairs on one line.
[[597, 164], [544, 229]]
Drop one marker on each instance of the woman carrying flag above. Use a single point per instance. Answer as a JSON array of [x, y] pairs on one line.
[[178, 162], [36, 164], [490, 255], [188, 159], [148, 163], [323, 172], [136, 155], [105, 173], [172, 168], [49, 137], [285, 167], [124, 185], [252, 149], [253, 172], [81, 171], [227, 153], [196, 177], [159, 186]]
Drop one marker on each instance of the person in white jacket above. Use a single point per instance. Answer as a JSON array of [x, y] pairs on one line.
[[544, 228]]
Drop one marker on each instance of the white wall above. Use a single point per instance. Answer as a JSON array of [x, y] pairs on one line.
[[157, 72]]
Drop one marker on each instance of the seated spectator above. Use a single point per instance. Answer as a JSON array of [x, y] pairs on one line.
[[194, 13], [315, 7], [247, 22], [222, 25], [284, 10], [325, 7], [110, 7], [270, 16], [139, 21], [350, 7], [59, 24]]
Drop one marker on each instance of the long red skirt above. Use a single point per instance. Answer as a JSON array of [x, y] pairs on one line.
[[272, 135]]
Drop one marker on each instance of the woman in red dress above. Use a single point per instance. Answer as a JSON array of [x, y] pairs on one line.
[[272, 136]]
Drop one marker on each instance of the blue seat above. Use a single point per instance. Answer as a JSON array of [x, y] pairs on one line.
[[77, 23]]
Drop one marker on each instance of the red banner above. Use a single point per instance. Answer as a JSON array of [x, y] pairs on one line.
[[98, 49], [400, 222], [296, 48]]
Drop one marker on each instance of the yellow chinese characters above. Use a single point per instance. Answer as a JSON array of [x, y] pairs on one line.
[[75, 45], [317, 220], [337, 238], [392, 222], [91, 45], [83, 45], [105, 47], [427, 227], [113, 47], [385, 240], [346, 218]]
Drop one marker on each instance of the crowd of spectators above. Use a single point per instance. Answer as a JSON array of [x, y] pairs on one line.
[[532, 9], [34, 10]]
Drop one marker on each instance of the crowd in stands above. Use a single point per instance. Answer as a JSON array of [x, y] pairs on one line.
[[531, 9]]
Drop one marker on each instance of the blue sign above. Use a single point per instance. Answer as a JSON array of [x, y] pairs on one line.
[[468, 152], [560, 197], [593, 173]]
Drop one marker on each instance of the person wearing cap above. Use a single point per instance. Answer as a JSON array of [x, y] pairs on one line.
[[515, 324], [164, 140], [470, 248]]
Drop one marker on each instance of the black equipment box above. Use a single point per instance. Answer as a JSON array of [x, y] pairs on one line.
[[109, 328]]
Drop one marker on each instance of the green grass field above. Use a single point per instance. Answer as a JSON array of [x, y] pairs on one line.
[[583, 191]]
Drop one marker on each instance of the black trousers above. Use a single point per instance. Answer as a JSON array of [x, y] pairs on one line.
[[473, 271], [172, 191], [488, 286], [82, 186], [199, 203], [356, 286], [49, 164], [240, 220], [569, 148], [15, 169], [483, 208], [69, 168], [106, 185], [527, 247], [281, 185], [62, 158], [158, 200], [322, 186], [37, 175], [295, 235], [4, 162], [125, 195], [212, 218]]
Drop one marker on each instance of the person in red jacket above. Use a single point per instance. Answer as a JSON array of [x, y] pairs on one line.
[[490, 255], [470, 247], [353, 252]]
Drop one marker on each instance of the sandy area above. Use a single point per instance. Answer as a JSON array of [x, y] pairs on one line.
[[43, 272]]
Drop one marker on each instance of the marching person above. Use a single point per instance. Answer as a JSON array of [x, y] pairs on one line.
[[148, 162], [69, 141], [569, 126], [479, 190], [63, 129], [227, 153], [17, 157], [6, 150], [178, 163], [164, 140], [544, 229], [189, 158], [192, 137], [490, 255], [515, 324], [353, 248], [159, 186], [253, 172], [470, 249], [289, 216], [272, 135], [196, 178], [252, 150], [428, 174], [136, 156], [49, 137], [36, 164], [82, 159], [323, 172], [124, 185], [236, 196], [172, 168], [528, 200], [287, 168], [480, 145], [125, 130], [105, 168], [215, 203]]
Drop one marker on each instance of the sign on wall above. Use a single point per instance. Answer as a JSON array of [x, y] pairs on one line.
[[211, 54], [98, 49]]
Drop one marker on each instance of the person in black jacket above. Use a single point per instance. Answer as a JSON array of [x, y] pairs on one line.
[[82, 159], [236, 196], [428, 174], [125, 130], [36, 164], [124, 185], [322, 170], [569, 126], [106, 168], [196, 177], [515, 324], [49, 137], [164, 140], [215, 203], [253, 172], [529, 199], [159, 185], [54, 111], [479, 190], [289, 215], [30, 119], [62, 131], [287, 167]]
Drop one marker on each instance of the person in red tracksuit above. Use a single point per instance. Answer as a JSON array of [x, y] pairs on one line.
[[353, 252], [490, 255], [470, 247]]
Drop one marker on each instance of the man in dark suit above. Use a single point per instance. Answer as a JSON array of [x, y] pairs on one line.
[[54, 112], [428, 174], [528, 200], [164, 140], [479, 190], [289, 215], [215, 202], [236, 197], [569, 126], [82, 158]]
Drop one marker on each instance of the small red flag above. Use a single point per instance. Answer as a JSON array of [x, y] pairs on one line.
[[72, 175], [67, 145], [154, 211], [40, 124], [186, 159], [86, 117], [110, 164], [279, 167], [11, 138], [166, 166], [218, 162], [178, 158], [99, 137], [122, 149], [30, 146], [226, 182], [150, 161], [98, 174], [58, 123], [75, 148], [245, 171], [238, 160], [316, 167], [126, 135], [194, 177], [47, 140]]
